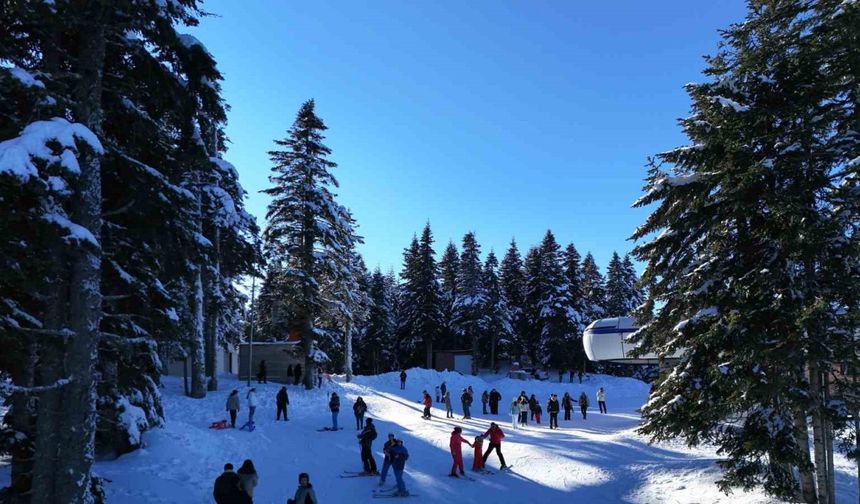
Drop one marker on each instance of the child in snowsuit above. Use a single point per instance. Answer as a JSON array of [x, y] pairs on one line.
[[365, 440], [478, 462], [334, 406], [449, 411], [252, 404], [456, 451], [538, 412], [428, 402], [305, 493]]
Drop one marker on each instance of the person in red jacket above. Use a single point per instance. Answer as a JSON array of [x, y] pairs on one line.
[[428, 402], [478, 462], [456, 451], [495, 435]]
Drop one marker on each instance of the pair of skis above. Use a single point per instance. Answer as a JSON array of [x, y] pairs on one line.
[[389, 493], [329, 429]]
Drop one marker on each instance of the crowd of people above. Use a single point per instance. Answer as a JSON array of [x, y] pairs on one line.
[[238, 487]]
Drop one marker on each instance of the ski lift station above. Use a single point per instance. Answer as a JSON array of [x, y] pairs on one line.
[[607, 340]]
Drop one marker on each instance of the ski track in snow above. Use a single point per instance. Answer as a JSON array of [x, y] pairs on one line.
[[600, 459]]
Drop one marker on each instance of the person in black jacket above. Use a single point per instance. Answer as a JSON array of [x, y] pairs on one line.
[[386, 461], [495, 398], [261, 373], [282, 400], [552, 408], [365, 440], [567, 404], [228, 487], [532, 406], [359, 408], [403, 379], [297, 373]]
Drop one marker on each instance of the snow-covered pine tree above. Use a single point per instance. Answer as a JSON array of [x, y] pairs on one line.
[[470, 321], [512, 279], [575, 302], [419, 310], [751, 258], [307, 229], [553, 318], [593, 291], [378, 342], [617, 288], [634, 296], [498, 330], [449, 273]]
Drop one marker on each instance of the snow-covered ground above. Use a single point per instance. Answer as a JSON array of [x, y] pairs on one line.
[[600, 459]]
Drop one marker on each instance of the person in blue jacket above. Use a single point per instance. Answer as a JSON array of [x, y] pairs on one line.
[[399, 455]]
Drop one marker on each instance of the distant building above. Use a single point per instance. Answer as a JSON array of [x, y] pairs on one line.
[[454, 360]]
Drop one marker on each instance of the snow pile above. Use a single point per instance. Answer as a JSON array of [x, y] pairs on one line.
[[599, 459], [17, 154]]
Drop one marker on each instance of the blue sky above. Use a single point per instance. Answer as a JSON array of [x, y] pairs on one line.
[[502, 118]]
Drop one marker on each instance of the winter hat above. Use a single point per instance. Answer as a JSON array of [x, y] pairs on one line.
[[228, 466], [369, 420]]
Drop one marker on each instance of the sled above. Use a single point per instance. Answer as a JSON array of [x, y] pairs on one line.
[[221, 424], [249, 426]]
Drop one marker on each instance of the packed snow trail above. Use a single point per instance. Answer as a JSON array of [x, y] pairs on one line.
[[600, 459]]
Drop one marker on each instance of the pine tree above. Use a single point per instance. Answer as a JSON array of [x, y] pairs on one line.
[[419, 310], [449, 273], [470, 321], [752, 263], [617, 293], [575, 306], [633, 290], [498, 330], [308, 232], [593, 291], [378, 343], [512, 279]]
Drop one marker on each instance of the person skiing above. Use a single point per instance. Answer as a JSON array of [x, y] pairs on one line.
[[466, 401], [449, 411], [261, 372], [443, 389], [524, 411], [403, 379], [478, 460], [495, 435], [601, 400], [359, 408], [233, 406], [495, 399], [228, 487], [583, 404], [252, 404], [515, 414], [485, 398], [567, 404], [455, 444], [334, 406], [282, 400], [248, 475], [438, 396], [552, 408], [305, 492], [297, 373], [365, 440], [428, 402], [532, 406], [386, 460], [399, 456]]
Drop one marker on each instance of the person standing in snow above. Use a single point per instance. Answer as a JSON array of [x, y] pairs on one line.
[[228, 486], [252, 404], [567, 404], [233, 406], [449, 411], [443, 389], [282, 400], [248, 474], [428, 402], [601, 400], [495, 399], [289, 372], [297, 373], [319, 376], [524, 411], [403, 379], [538, 413], [583, 404], [552, 407], [466, 401], [438, 396], [261, 372], [485, 398], [359, 408], [334, 406], [478, 461], [532, 406], [386, 460], [399, 456], [365, 440], [495, 435], [305, 493], [455, 444], [515, 414]]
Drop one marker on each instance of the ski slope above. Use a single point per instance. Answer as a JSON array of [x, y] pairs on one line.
[[600, 459]]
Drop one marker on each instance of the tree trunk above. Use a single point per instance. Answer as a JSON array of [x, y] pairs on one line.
[[493, 352], [429, 355], [20, 420], [475, 354], [348, 364], [818, 434], [198, 353], [806, 480], [213, 305]]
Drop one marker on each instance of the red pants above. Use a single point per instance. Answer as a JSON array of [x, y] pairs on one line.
[[537, 417], [458, 463]]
